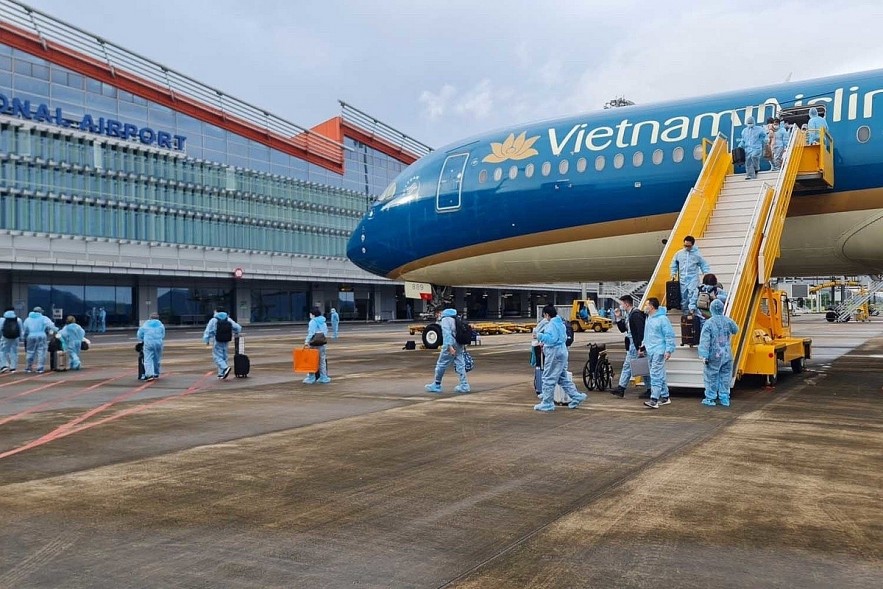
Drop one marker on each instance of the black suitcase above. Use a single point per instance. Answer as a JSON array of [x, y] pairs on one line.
[[738, 155], [139, 347], [241, 363], [673, 294], [690, 330], [538, 371]]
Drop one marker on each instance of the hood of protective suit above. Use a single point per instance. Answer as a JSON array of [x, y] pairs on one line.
[[749, 121], [449, 313], [9, 315], [320, 320], [717, 307], [221, 316], [35, 315], [153, 323], [813, 112], [661, 311]]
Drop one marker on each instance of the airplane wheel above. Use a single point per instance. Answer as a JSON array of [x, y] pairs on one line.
[[797, 365], [432, 336]]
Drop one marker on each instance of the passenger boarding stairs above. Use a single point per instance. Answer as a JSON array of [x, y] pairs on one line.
[[845, 310], [737, 224]]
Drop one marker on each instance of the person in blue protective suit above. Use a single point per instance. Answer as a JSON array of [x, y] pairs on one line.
[[753, 140], [451, 353], [551, 333], [715, 351], [11, 334], [709, 291], [659, 344], [815, 123], [34, 330], [335, 322], [72, 337], [688, 263], [221, 328], [152, 335], [631, 321], [583, 312], [781, 138], [318, 325], [102, 320]]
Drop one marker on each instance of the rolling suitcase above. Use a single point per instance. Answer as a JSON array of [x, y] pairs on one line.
[[560, 397], [241, 363], [139, 347], [538, 371], [673, 294], [690, 329]]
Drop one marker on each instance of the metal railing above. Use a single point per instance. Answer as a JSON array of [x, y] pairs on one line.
[[382, 131], [65, 37]]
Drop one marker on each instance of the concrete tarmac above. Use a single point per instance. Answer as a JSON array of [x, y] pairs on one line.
[[107, 482]]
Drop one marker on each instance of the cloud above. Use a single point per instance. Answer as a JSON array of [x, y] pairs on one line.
[[435, 105], [478, 102]]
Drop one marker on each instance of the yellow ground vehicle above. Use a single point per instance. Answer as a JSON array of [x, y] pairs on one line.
[[590, 319], [769, 341]]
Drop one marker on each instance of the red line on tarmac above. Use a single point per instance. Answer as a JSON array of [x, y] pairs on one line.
[[69, 428], [50, 402]]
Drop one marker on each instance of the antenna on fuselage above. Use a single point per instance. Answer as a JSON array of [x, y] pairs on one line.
[[618, 102]]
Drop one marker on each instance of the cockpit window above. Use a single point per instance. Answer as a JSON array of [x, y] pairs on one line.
[[388, 193]]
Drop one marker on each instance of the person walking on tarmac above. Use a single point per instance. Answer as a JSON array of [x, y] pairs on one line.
[[11, 330], [35, 328], [552, 335], [631, 321], [659, 344], [220, 328], [152, 335], [451, 352], [318, 325], [335, 322], [687, 264], [72, 336], [715, 351]]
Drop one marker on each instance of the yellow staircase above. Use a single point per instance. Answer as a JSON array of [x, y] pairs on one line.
[[738, 225]]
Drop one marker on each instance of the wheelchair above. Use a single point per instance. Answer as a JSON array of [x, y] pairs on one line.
[[597, 373]]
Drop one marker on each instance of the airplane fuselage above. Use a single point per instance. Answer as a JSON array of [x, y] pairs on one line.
[[591, 197]]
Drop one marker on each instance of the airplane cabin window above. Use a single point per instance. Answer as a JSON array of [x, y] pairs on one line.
[[528, 170], [547, 168], [513, 172], [863, 134], [638, 159], [482, 177], [498, 174], [658, 155], [618, 160], [581, 165], [697, 152], [599, 163], [677, 155], [563, 166]]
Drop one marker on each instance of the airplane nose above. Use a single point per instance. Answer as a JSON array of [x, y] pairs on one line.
[[369, 255]]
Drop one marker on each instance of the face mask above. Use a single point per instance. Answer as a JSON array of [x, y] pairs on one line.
[[648, 310], [622, 308], [750, 125]]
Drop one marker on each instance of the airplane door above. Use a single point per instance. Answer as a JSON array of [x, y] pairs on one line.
[[450, 182]]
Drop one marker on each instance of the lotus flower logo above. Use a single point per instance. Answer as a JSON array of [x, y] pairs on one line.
[[513, 148]]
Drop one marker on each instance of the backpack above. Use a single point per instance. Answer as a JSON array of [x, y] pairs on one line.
[[224, 331], [462, 332], [11, 330], [706, 295], [568, 328]]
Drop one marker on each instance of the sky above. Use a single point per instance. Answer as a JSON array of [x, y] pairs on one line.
[[442, 71]]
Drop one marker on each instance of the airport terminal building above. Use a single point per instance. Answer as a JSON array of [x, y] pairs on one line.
[[129, 186]]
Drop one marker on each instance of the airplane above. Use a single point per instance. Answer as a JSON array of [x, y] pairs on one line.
[[593, 197]]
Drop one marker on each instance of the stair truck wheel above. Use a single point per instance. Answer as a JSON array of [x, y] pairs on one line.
[[432, 336], [797, 365], [597, 328]]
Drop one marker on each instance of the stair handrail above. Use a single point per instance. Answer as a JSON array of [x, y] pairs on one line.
[[696, 211]]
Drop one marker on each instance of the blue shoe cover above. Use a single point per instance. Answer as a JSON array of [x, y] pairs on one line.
[[544, 407], [433, 388], [708, 402], [325, 380], [460, 388], [575, 400], [725, 400], [310, 379]]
